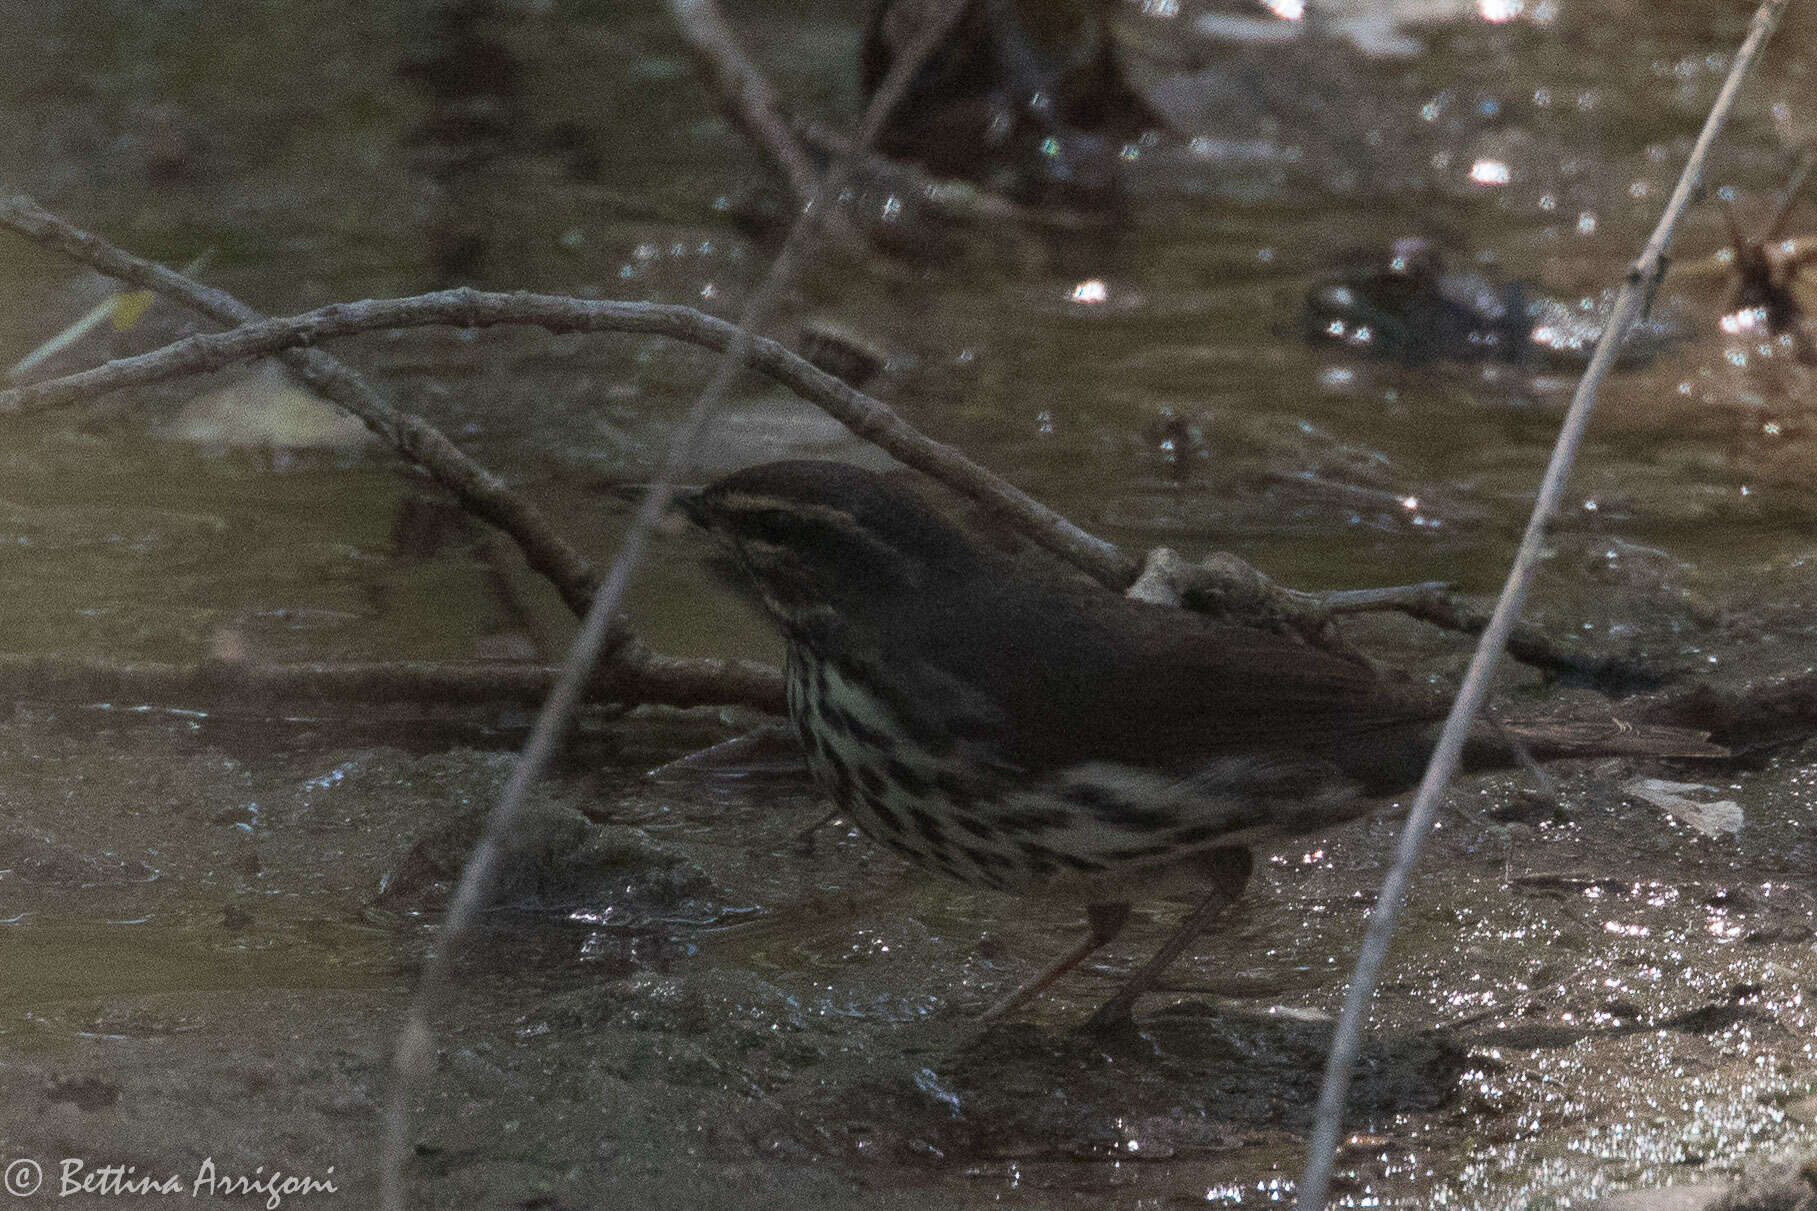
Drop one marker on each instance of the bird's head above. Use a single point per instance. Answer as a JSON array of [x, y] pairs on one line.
[[819, 536]]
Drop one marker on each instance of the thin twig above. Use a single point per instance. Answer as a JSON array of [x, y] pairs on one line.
[[486, 495], [755, 108], [1612, 675], [950, 198], [635, 678], [120, 307], [463, 308], [1788, 200], [749, 99], [1642, 276], [480, 492], [1227, 586], [413, 1062], [864, 415]]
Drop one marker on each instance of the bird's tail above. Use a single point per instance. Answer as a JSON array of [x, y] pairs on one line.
[[1606, 738]]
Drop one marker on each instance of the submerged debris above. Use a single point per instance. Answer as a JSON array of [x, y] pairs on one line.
[[1713, 819], [1028, 97], [1415, 308], [1766, 269]]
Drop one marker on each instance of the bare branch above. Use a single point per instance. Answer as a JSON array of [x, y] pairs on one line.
[[1225, 585], [481, 492], [1794, 188], [1232, 585], [1441, 606], [951, 199], [749, 99], [464, 308], [1642, 276], [636, 678], [414, 1060]]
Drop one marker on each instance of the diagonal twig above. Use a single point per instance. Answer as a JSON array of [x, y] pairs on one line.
[[749, 99], [864, 415], [1642, 276], [480, 491], [413, 1061], [1788, 201], [464, 308]]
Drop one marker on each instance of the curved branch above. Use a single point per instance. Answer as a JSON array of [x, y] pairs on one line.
[[465, 308], [1240, 589], [480, 491]]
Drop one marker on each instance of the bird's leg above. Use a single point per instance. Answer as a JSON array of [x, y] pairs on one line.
[[1228, 870], [1523, 757], [1106, 922], [804, 840]]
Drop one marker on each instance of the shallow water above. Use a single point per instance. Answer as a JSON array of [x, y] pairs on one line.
[[225, 908]]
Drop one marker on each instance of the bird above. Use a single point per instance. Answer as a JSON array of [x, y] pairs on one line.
[[1020, 729]]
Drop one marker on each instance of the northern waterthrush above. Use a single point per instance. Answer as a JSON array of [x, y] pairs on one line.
[[1033, 733]]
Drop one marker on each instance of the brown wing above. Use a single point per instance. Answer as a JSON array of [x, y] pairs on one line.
[[1084, 675]]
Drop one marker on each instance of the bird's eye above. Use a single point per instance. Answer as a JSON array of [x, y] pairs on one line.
[[778, 524]]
